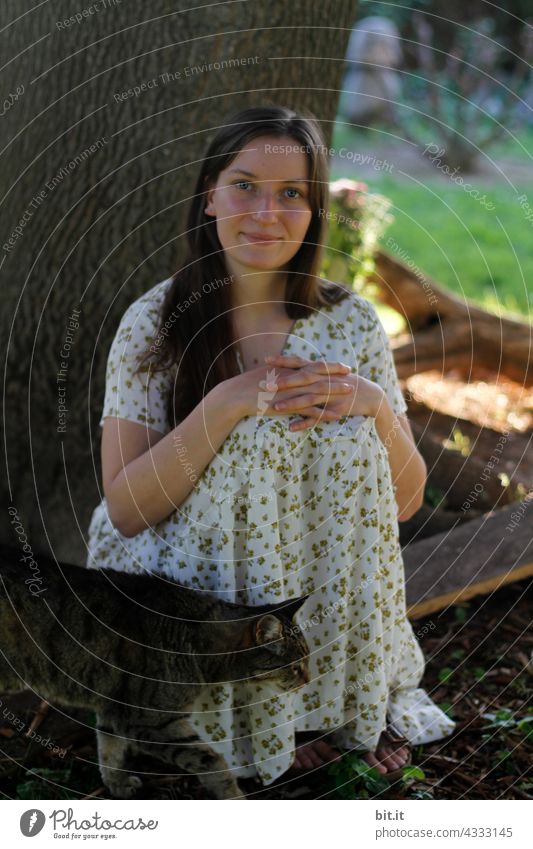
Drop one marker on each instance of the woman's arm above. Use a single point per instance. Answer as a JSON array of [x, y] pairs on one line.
[[407, 465], [146, 475]]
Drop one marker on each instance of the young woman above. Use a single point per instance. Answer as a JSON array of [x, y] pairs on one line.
[[263, 479]]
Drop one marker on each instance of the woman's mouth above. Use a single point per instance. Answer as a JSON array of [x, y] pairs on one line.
[[267, 240]]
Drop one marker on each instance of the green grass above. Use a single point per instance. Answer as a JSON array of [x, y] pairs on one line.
[[478, 253], [518, 145]]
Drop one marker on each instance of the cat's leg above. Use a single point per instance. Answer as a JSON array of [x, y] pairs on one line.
[[189, 752], [113, 750]]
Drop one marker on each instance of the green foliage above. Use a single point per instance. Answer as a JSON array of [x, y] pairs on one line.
[[505, 718], [517, 492], [434, 497], [421, 794], [447, 707], [457, 654], [459, 442], [354, 231], [45, 783], [413, 773], [445, 674], [353, 778], [68, 782], [460, 614]]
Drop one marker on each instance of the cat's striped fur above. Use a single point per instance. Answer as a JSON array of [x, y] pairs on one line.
[[137, 649]]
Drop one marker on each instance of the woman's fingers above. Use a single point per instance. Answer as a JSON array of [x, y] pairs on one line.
[[312, 416], [319, 366], [318, 417], [298, 402], [325, 376]]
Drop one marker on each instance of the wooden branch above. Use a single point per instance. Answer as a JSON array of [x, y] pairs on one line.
[[38, 719], [447, 331], [458, 476], [429, 521], [475, 558], [417, 295]]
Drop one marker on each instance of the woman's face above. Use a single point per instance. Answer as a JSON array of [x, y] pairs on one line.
[[261, 204]]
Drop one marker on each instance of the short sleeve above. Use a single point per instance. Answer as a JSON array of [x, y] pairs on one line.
[[140, 397], [376, 361]]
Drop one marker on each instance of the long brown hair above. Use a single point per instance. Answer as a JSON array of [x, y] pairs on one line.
[[201, 343]]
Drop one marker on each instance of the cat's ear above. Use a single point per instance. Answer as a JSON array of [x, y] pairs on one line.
[[289, 609], [268, 629]]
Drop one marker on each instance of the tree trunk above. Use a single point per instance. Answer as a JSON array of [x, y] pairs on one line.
[[96, 179]]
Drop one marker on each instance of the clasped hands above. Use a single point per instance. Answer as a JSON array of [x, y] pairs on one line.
[[332, 391]]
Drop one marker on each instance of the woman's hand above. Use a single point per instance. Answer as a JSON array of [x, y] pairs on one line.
[[330, 391], [358, 397]]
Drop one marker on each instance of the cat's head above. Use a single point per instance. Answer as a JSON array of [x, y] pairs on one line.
[[282, 655]]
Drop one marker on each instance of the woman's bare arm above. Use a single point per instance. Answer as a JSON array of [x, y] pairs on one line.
[[408, 468], [146, 475]]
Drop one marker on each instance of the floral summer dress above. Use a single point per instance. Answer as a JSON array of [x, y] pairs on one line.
[[278, 514]]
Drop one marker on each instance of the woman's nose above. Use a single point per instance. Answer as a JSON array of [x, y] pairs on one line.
[[266, 209]]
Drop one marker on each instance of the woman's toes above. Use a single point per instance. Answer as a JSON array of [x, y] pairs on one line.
[[391, 758], [325, 751], [371, 760], [307, 758], [401, 756], [314, 754], [386, 759]]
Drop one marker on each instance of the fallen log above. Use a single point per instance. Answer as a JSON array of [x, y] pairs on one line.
[[463, 480], [464, 344], [474, 558], [446, 331]]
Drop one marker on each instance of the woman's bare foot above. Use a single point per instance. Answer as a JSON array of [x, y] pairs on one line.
[[386, 758], [313, 754]]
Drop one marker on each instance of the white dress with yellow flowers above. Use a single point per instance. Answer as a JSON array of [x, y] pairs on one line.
[[278, 514]]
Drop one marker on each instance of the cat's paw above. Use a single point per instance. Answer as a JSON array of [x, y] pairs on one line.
[[227, 790], [123, 787]]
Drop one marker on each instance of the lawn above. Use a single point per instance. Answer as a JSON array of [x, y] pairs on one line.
[[476, 251]]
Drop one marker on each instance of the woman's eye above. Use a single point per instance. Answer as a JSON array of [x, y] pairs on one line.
[[246, 185]]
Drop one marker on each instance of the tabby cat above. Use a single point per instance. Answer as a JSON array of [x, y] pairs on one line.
[[138, 649]]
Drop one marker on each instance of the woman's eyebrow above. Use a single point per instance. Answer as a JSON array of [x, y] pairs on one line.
[[254, 176]]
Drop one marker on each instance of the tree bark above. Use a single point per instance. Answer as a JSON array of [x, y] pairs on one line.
[[96, 180]]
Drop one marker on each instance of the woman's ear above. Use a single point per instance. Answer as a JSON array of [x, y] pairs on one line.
[[209, 208]]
